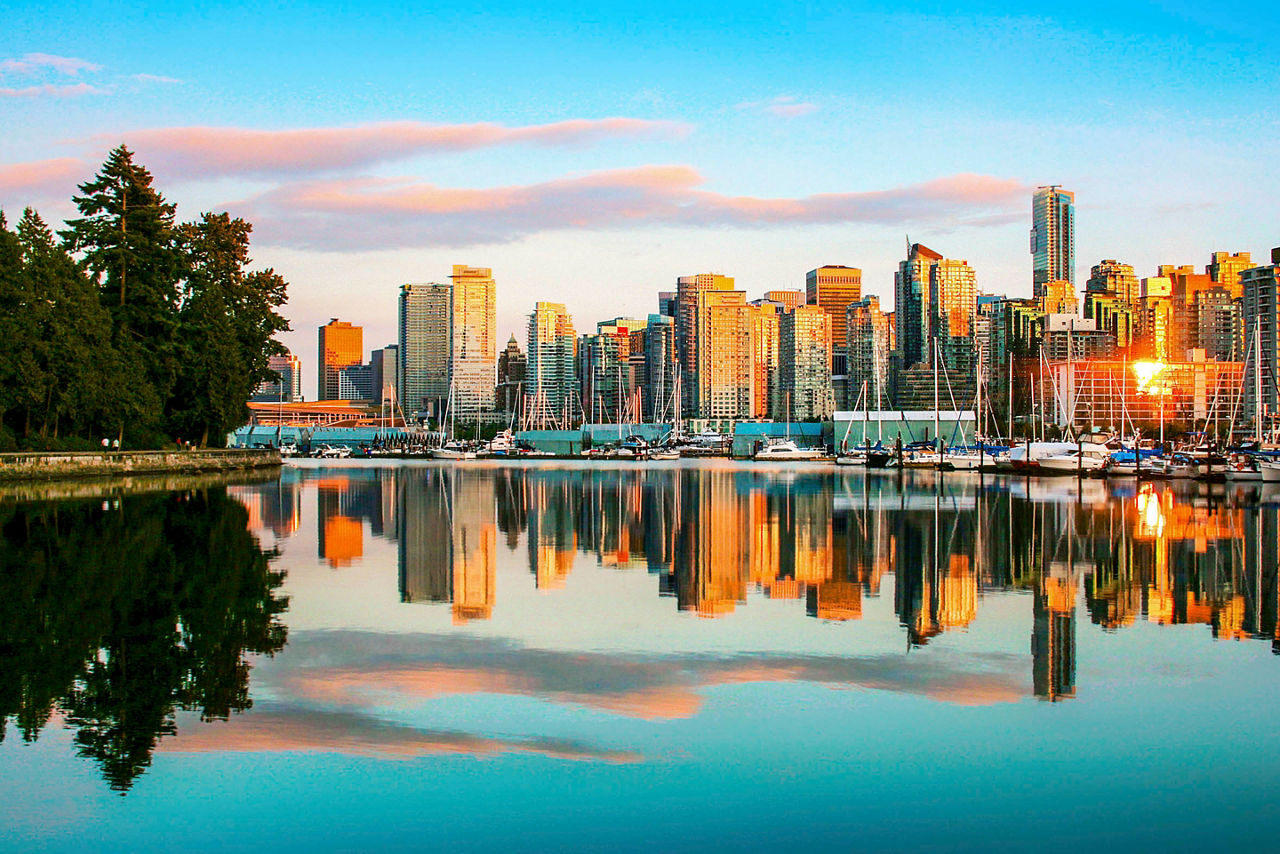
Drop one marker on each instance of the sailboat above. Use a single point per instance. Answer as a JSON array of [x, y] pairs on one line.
[[452, 449]]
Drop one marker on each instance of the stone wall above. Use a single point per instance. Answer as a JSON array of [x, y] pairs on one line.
[[53, 466]]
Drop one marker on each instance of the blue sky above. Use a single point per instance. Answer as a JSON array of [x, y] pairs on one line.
[[591, 153]]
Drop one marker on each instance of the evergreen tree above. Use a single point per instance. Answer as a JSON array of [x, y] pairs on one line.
[[129, 243]]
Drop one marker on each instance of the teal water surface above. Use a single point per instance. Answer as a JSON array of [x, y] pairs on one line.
[[638, 656]]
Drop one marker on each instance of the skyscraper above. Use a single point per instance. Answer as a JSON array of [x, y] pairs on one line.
[[425, 346], [513, 370], [723, 379], [340, 345], [1053, 237], [870, 340], [550, 379], [953, 287], [473, 360], [804, 357], [1225, 269], [288, 389], [912, 298], [688, 291], [1110, 277], [1261, 288], [834, 287]]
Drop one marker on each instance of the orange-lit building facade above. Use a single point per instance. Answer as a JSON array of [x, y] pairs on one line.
[[341, 345]]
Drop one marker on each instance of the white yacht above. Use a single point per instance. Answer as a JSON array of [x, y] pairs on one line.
[[453, 451], [788, 450], [1087, 458]]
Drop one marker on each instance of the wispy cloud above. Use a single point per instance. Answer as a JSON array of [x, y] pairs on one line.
[[783, 106], [373, 213], [157, 78], [201, 152], [40, 179], [51, 90], [35, 63]]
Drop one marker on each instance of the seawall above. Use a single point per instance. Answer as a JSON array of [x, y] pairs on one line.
[[57, 466]]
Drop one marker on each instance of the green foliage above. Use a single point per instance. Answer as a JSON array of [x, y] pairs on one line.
[[132, 326]]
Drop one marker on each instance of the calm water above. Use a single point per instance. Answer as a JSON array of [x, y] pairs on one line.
[[639, 657]]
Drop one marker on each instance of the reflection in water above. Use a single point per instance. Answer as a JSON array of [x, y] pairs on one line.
[[713, 535], [114, 614]]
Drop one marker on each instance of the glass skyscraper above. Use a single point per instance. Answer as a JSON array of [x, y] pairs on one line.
[[1053, 237]]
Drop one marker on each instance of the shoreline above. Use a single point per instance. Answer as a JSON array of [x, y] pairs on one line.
[[53, 466]]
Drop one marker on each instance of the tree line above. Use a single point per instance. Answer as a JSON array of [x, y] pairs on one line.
[[128, 324]]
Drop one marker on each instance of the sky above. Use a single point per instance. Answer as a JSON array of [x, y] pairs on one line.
[[592, 153]]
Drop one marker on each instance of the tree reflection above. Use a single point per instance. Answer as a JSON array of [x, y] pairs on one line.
[[117, 614]]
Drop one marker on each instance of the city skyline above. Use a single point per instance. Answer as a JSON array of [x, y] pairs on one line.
[[615, 150]]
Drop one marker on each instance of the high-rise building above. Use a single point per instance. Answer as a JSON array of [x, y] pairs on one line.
[[1218, 324], [688, 292], [912, 298], [1154, 335], [1225, 269], [355, 382], [513, 368], [473, 362], [425, 345], [551, 387], [870, 337], [1058, 297], [1053, 237], [288, 388], [340, 346], [607, 374], [804, 356], [661, 369], [954, 289], [1111, 277], [765, 324], [790, 299], [667, 303], [723, 377], [384, 363], [833, 288], [1260, 287]]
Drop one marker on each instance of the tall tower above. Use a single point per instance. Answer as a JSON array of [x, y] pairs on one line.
[[833, 288], [425, 344], [550, 378], [474, 358], [1053, 237], [913, 299], [688, 291], [340, 346]]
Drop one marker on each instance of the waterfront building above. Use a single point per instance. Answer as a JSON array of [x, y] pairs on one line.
[[355, 382], [688, 293], [288, 388], [1225, 269], [1260, 287], [912, 298], [1196, 392], [1053, 238], [550, 381], [513, 368], [723, 377], [953, 304], [766, 319], [1219, 324], [384, 363], [425, 346], [473, 355], [832, 288], [869, 332], [804, 358], [660, 369], [789, 300], [340, 345], [1114, 278]]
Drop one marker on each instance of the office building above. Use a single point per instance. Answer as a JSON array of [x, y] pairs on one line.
[[788, 300], [1259, 289], [833, 288], [688, 292], [340, 345], [473, 359], [513, 368], [661, 369], [912, 298], [425, 345], [384, 363], [1225, 269], [1053, 237], [551, 387], [869, 332], [804, 357], [953, 288], [286, 389], [723, 377], [1110, 277]]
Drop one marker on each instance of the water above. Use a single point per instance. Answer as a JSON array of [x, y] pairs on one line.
[[635, 656]]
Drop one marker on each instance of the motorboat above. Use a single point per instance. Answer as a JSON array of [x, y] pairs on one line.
[[1243, 467], [288, 449], [852, 458], [1270, 471], [453, 451], [664, 454], [1208, 464], [1084, 459], [788, 450], [331, 452], [961, 459], [1025, 458]]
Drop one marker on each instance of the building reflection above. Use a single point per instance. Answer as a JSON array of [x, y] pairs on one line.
[[713, 537]]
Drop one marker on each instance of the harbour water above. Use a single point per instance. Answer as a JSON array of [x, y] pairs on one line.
[[636, 656]]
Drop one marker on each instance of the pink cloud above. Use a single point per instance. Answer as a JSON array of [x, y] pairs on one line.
[[195, 152], [368, 213], [40, 179], [783, 106], [33, 63], [49, 90]]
